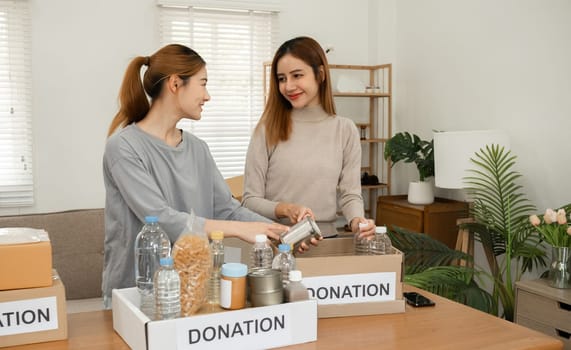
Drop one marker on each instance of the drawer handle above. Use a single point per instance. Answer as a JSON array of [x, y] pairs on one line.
[[563, 334], [565, 306]]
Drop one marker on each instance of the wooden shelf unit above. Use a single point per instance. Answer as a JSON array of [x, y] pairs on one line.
[[378, 123]]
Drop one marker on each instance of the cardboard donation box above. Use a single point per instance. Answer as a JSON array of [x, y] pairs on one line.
[[250, 328], [25, 258], [348, 285], [33, 315]]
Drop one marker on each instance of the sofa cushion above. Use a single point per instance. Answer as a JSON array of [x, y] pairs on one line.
[[77, 246]]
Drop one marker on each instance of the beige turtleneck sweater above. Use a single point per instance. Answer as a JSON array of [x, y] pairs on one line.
[[318, 165]]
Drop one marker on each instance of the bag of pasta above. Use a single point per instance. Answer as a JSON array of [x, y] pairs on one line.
[[191, 255]]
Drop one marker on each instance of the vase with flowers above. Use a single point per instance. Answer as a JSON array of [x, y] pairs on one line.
[[554, 228]]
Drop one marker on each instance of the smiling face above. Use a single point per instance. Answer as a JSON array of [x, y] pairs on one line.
[[297, 82], [192, 95]]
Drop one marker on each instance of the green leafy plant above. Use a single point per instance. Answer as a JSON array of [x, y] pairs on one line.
[[501, 214], [433, 266], [411, 149]]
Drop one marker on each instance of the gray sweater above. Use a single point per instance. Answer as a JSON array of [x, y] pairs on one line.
[[318, 167], [144, 176]]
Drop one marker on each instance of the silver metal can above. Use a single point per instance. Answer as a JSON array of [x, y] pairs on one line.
[[265, 287], [300, 231]]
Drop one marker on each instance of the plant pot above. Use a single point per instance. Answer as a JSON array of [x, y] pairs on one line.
[[420, 192], [560, 269]]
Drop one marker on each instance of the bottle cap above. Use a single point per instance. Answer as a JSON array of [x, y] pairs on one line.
[[218, 235], [295, 275], [363, 225], [381, 229], [261, 238], [166, 261], [151, 219], [284, 248], [234, 270]]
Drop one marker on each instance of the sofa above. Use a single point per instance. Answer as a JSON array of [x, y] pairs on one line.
[[77, 247]]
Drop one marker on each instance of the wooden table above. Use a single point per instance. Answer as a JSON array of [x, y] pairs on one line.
[[448, 325]]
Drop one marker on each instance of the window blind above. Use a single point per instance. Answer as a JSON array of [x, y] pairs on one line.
[[16, 178], [234, 44]]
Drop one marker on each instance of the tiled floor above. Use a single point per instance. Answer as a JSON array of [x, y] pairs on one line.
[[84, 305]]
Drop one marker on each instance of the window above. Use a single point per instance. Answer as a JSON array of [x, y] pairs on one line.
[[234, 43], [16, 178]]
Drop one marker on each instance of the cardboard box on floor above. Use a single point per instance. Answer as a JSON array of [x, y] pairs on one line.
[[257, 327], [33, 315], [334, 257], [25, 258]]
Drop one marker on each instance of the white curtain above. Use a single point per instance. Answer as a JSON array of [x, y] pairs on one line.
[[16, 177], [234, 43]]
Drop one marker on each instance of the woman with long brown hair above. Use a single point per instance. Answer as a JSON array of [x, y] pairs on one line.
[[303, 159], [153, 168]]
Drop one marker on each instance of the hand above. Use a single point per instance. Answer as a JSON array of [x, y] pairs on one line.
[[246, 231], [367, 231], [294, 212], [303, 247]]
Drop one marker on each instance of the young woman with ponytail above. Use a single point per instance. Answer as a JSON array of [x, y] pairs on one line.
[[151, 167]]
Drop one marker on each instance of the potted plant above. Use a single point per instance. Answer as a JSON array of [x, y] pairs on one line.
[[501, 213], [411, 149], [502, 224]]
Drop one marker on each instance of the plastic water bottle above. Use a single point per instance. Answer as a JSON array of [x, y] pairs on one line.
[[381, 243], [151, 244], [361, 244], [217, 252], [284, 261], [262, 255], [167, 291]]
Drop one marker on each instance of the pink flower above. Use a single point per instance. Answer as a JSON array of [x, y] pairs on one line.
[[561, 217], [550, 216], [534, 219], [569, 230]]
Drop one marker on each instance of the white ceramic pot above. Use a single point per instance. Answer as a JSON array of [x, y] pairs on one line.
[[420, 192]]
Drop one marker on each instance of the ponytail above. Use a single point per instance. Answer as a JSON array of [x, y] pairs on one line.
[[133, 101]]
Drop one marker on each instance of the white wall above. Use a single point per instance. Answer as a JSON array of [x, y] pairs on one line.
[[80, 50], [457, 65], [487, 64]]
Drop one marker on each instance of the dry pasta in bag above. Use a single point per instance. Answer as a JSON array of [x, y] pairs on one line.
[[191, 255]]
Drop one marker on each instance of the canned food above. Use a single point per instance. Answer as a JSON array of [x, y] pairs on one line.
[[265, 287], [305, 229]]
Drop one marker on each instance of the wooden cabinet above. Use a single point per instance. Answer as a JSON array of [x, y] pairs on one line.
[[544, 309], [367, 100], [438, 220]]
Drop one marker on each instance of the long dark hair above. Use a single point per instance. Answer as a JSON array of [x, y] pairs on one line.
[[276, 118]]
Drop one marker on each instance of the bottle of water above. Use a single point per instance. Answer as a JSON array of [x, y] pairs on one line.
[[361, 244], [151, 244], [262, 254], [381, 243], [284, 261], [167, 291], [217, 252]]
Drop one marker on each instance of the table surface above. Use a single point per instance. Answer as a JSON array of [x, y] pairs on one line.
[[448, 325]]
